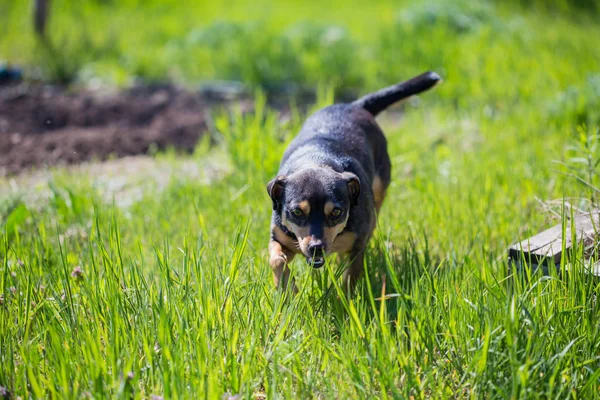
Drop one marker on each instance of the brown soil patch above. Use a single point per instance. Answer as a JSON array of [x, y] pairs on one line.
[[45, 125]]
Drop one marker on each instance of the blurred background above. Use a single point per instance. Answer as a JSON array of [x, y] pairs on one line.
[[346, 44], [182, 57]]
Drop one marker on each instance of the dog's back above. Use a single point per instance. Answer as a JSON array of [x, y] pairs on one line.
[[346, 137], [341, 136]]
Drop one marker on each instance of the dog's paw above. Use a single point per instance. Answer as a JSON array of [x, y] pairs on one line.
[[277, 261]]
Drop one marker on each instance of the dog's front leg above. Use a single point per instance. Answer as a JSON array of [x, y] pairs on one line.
[[279, 258]]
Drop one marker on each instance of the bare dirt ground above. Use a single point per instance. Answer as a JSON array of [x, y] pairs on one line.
[[46, 125]]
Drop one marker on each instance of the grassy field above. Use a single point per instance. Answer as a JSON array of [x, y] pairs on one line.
[[163, 288]]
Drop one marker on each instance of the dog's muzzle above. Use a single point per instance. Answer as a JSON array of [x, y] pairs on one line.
[[317, 260]]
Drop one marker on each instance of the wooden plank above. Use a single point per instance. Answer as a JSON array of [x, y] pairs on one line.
[[546, 247]]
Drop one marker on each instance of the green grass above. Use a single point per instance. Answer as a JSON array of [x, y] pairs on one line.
[[172, 295]]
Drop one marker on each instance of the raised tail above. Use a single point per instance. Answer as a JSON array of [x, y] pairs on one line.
[[382, 99]]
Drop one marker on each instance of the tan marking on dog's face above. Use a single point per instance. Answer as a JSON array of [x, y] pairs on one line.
[[305, 207], [302, 234], [304, 242], [331, 234], [299, 231], [378, 192], [344, 243], [333, 231], [329, 206]]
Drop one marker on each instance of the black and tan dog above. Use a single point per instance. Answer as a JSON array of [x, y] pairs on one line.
[[332, 181]]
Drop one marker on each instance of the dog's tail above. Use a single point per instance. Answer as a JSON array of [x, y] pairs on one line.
[[382, 99]]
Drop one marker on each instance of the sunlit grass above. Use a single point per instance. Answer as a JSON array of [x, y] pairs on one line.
[[172, 296]]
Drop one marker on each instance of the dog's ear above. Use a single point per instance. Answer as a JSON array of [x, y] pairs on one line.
[[275, 190], [353, 187]]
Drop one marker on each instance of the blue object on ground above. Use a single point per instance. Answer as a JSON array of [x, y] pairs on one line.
[[10, 74]]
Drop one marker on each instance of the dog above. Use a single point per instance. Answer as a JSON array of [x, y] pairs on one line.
[[332, 181]]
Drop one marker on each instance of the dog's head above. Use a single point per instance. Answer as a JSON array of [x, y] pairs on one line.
[[314, 204]]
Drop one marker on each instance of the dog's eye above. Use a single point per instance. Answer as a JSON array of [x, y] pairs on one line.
[[297, 212], [336, 212]]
